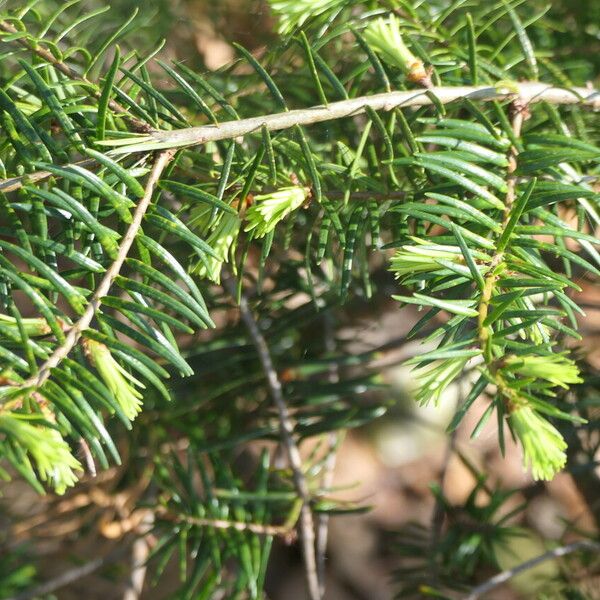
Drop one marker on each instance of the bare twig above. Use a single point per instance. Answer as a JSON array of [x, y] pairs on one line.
[[88, 456], [520, 113], [437, 515], [140, 552], [527, 92], [75, 574], [286, 426], [503, 577], [285, 531], [333, 440], [58, 64], [103, 288]]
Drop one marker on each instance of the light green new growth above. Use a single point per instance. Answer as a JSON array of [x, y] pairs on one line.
[[222, 240], [557, 369], [50, 453], [434, 379], [270, 209], [543, 446], [426, 257], [383, 35], [116, 379], [294, 13]]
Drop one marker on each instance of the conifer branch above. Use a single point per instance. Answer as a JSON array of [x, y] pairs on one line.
[[193, 136], [103, 288], [94, 257], [13, 184], [519, 107]]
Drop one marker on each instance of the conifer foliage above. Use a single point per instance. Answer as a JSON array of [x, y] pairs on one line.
[[142, 202]]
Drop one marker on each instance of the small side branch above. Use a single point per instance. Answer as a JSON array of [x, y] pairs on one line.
[[73, 575], [285, 531], [503, 577], [102, 290], [333, 441], [12, 184], [286, 426]]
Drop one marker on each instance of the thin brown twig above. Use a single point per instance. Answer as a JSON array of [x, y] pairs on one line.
[[72, 575], [285, 531], [503, 577], [520, 113], [58, 64], [140, 552], [438, 513], [103, 288], [286, 426], [333, 440]]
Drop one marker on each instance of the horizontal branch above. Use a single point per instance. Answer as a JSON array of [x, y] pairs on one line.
[[193, 136], [285, 531], [527, 92]]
